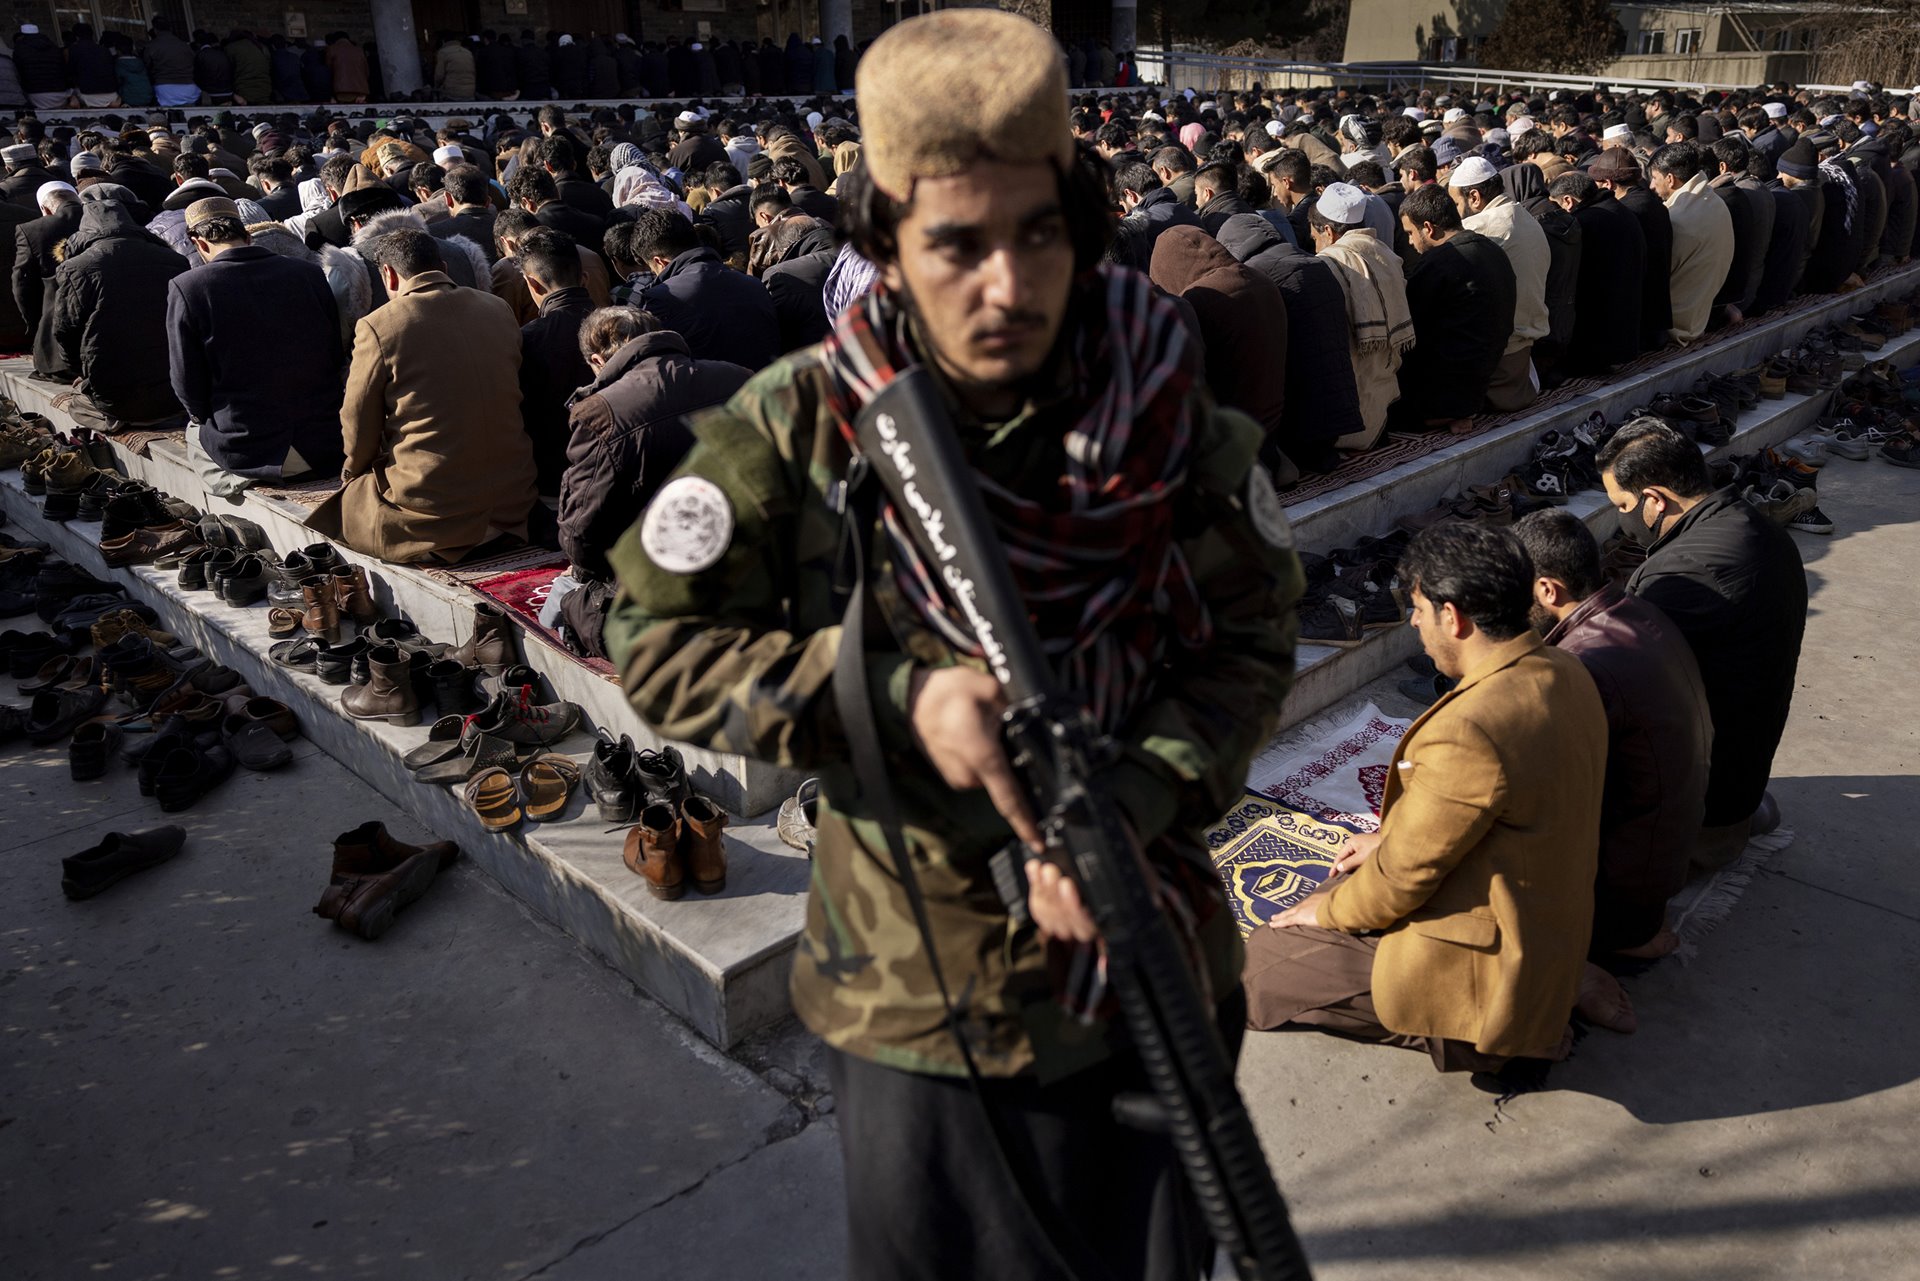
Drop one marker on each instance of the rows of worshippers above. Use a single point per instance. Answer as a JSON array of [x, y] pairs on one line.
[[458, 326], [1500, 260], [247, 68], [1359, 264]]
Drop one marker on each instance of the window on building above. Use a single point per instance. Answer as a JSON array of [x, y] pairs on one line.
[[1651, 42], [1687, 40]]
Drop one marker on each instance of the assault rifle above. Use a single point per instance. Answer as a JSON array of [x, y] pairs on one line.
[[908, 441]]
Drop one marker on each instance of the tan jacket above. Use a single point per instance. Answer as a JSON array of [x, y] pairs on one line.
[[1702, 253], [438, 460], [1519, 234], [1483, 881]]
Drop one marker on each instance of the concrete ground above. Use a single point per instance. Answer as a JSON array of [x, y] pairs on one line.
[[201, 1079]]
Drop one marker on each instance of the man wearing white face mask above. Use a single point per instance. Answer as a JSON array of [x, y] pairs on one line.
[[1732, 582]]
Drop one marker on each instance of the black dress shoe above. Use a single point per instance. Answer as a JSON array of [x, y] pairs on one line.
[[246, 584], [611, 780], [56, 713], [452, 683], [334, 664], [27, 656], [193, 569], [116, 858], [92, 749], [189, 773]]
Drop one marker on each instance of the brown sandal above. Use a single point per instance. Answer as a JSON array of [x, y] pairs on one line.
[[547, 783], [492, 795]]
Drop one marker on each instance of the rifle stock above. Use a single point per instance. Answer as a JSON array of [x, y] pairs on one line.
[[1056, 750]]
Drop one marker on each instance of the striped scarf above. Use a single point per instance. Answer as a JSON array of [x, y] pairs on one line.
[[1096, 562], [1098, 565]]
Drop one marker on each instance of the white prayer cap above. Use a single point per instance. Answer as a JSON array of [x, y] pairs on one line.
[[1275, 128], [1453, 114], [1472, 171], [1353, 158], [813, 119], [28, 29], [1520, 124], [1775, 110], [565, 41], [696, 46], [1414, 113], [1209, 106], [1619, 133], [1859, 86], [687, 118], [449, 156], [1152, 115], [1342, 202], [46, 190]]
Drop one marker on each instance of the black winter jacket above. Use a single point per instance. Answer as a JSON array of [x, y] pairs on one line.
[[1321, 402], [109, 314], [798, 286], [551, 370], [42, 67], [1732, 582], [1607, 309], [628, 434], [729, 214]]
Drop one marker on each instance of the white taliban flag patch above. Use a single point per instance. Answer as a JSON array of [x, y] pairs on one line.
[[688, 526]]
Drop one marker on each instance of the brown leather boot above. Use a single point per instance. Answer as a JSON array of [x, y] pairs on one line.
[[375, 876], [388, 694], [322, 616], [491, 647], [350, 596], [652, 852], [705, 852]]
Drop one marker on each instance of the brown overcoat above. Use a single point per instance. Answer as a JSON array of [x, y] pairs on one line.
[[438, 460], [1483, 882]]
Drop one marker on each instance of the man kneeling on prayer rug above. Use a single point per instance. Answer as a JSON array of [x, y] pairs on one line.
[[1461, 926]]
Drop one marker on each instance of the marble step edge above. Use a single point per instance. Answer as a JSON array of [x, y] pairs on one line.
[[1369, 507], [444, 611], [718, 962]]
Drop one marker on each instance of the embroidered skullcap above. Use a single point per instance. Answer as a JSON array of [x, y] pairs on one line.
[[1618, 133], [1342, 202], [212, 207], [1775, 110], [1472, 171], [20, 153], [943, 91]]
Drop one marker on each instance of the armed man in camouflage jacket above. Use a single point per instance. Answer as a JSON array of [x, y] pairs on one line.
[[1159, 571]]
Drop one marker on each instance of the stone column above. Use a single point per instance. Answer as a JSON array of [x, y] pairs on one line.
[[836, 19], [399, 47], [1126, 22]]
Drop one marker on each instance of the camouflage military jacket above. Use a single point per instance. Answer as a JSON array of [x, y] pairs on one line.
[[728, 637]]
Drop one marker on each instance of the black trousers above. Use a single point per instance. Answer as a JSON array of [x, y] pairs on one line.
[[927, 1198]]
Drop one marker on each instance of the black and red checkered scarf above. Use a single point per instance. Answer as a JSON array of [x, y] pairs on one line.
[[1096, 561]]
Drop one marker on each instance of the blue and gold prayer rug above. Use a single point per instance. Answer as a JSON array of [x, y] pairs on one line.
[[1270, 857]]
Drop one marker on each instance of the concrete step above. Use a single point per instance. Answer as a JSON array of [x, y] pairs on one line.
[[720, 962], [1370, 507], [1325, 674], [441, 609]]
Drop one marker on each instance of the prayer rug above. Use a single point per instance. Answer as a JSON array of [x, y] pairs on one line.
[[1334, 772], [1698, 910], [1270, 857], [305, 494], [142, 442], [522, 592]]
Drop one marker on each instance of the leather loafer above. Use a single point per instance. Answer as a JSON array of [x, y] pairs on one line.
[[374, 876], [246, 584], [116, 858]]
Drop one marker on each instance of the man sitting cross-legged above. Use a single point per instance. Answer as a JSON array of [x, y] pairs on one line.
[[1460, 927], [1659, 744]]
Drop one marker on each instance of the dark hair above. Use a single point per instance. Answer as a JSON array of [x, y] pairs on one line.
[[1489, 191], [1678, 160], [1482, 572], [662, 233], [221, 230], [532, 184], [335, 172], [191, 167], [1647, 452], [511, 224], [790, 172], [557, 150], [617, 244], [1218, 176], [1688, 127], [871, 219], [1417, 161], [551, 255], [1431, 204], [768, 195], [467, 184], [721, 175], [1732, 151], [1177, 160], [408, 251], [1110, 135], [429, 178], [1367, 173], [1136, 177], [551, 115], [1580, 186], [1561, 546]]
